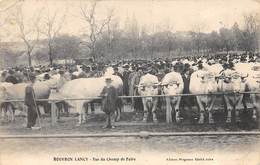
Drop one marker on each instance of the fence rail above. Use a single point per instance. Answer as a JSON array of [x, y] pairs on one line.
[[125, 97]]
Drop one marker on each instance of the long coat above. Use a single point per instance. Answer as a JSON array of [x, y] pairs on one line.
[[29, 99], [109, 101], [186, 81], [125, 82]]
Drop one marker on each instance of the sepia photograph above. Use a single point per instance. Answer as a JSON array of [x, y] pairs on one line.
[[130, 82]]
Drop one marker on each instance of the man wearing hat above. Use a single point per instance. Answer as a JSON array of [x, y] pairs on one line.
[[30, 102], [136, 102], [116, 72], [11, 77], [110, 96], [126, 74]]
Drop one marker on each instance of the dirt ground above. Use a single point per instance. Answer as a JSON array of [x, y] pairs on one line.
[[130, 122], [26, 151]]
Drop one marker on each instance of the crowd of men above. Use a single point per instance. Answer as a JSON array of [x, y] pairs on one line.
[[129, 70]]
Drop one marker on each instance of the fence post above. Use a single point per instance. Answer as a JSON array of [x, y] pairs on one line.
[[53, 114]]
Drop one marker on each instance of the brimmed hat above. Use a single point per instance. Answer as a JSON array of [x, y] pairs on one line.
[[126, 66]]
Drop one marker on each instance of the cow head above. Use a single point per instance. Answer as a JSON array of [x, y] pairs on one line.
[[206, 77], [170, 88], [236, 80], [148, 89]]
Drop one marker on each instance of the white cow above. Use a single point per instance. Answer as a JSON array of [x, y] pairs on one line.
[[84, 88], [232, 81], [172, 84], [17, 91], [253, 84], [149, 85], [204, 82], [5, 107]]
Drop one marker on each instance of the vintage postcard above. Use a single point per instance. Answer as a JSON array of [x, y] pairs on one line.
[[130, 82]]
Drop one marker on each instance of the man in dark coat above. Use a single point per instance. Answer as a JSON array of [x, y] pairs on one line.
[[186, 100], [29, 101], [110, 96], [11, 77], [126, 74], [116, 72]]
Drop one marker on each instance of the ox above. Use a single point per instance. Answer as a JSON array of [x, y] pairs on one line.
[[85, 88], [148, 86], [232, 81], [253, 84], [204, 82], [17, 91], [5, 107], [172, 84]]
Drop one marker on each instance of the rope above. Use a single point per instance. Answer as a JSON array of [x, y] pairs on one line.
[[125, 97]]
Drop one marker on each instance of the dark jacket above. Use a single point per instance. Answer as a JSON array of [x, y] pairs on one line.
[[29, 96], [125, 82], [110, 99], [186, 83], [11, 79]]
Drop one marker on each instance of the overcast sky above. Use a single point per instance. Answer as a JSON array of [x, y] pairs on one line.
[[181, 15]]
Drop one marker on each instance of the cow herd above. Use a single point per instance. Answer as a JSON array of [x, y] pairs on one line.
[[206, 82]]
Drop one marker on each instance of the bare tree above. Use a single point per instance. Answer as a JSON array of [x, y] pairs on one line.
[[197, 36], [28, 32], [252, 28], [133, 35], [111, 36], [169, 38], [96, 27], [51, 27]]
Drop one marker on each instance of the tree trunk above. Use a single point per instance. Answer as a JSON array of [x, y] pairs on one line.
[[93, 51], [50, 56], [29, 58]]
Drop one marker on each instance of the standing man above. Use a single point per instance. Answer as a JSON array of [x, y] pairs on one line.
[[29, 101], [11, 77], [186, 101], [110, 96], [126, 74], [137, 103], [116, 72]]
